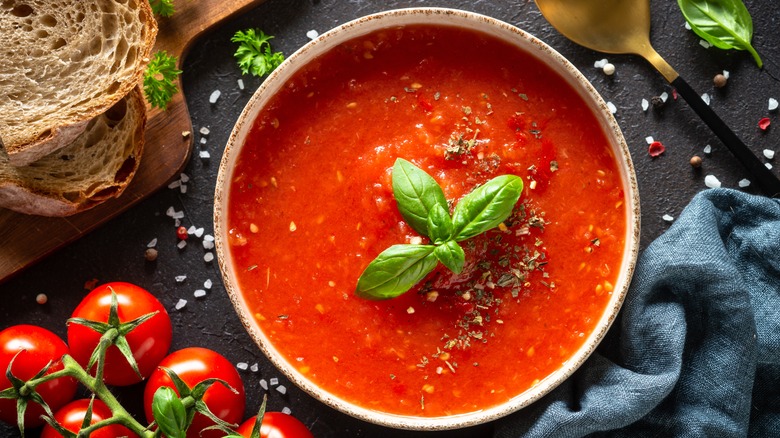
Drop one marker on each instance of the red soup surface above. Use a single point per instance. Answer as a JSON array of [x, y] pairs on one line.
[[311, 204]]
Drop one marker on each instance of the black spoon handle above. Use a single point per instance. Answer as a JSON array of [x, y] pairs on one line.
[[768, 182]]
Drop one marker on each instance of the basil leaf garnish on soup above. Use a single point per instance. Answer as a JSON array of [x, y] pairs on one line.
[[423, 206]]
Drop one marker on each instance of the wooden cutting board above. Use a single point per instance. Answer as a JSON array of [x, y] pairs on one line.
[[26, 239]]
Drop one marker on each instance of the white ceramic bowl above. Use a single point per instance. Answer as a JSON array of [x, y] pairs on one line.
[[448, 17]]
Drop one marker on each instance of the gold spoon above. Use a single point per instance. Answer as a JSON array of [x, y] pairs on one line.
[[623, 27]]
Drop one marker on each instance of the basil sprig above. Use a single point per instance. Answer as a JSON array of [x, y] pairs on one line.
[[423, 206], [726, 24]]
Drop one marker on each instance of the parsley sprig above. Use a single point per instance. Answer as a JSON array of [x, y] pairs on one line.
[[254, 54], [163, 8], [159, 79], [423, 206]]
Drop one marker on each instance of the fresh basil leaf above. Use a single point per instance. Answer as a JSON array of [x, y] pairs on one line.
[[726, 24], [169, 413], [486, 207], [451, 255], [439, 224], [416, 193], [395, 270]]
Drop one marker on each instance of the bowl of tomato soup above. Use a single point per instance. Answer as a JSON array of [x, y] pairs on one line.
[[304, 202]]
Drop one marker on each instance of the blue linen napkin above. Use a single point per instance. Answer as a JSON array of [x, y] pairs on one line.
[[696, 349]]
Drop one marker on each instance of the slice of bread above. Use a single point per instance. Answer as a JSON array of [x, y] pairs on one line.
[[97, 166], [63, 62]]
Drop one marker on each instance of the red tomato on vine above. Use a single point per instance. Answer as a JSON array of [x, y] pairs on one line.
[[38, 347], [193, 365], [72, 415], [149, 341]]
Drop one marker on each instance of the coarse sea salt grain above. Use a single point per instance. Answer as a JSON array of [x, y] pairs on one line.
[[254, 368], [645, 104], [769, 153], [600, 63], [204, 131], [274, 381], [649, 139], [264, 384], [688, 25], [209, 256], [711, 181], [664, 96], [312, 34], [705, 44], [240, 84], [184, 178], [207, 284], [706, 98], [282, 389], [207, 244], [181, 244], [198, 232], [203, 140], [170, 211], [152, 243], [180, 278], [667, 218], [204, 155], [191, 229], [180, 304], [773, 104], [208, 237], [175, 184], [242, 366], [744, 182], [214, 96], [612, 108], [726, 74], [199, 293], [708, 149], [183, 188], [286, 410], [768, 165]]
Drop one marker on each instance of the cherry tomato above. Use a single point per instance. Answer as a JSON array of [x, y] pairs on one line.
[[71, 415], [276, 425], [39, 346], [149, 342], [193, 365]]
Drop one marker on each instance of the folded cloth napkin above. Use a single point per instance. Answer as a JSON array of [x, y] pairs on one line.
[[696, 349]]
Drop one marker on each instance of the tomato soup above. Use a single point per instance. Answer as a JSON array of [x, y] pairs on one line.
[[311, 204]]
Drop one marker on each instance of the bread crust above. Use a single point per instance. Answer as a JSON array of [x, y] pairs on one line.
[[61, 184], [58, 73]]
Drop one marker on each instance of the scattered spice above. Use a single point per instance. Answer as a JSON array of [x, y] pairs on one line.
[[181, 233], [719, 81], [656, 148], [696, 161], [41, 299], [150, 254], [657, 102], [764, 123]]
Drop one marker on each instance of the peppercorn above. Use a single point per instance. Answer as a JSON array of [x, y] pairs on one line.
[[657, 102], [719, 80], [696, 161], [150, 254]]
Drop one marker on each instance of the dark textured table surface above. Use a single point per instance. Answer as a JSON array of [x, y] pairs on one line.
[[115, 251]]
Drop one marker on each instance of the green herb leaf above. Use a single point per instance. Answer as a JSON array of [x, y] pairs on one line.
[[169, 413], [254, 53], [163, 8], [395, 270], [159, 86], [486, 207], [726, 24], [439, 224], [451, 255], [416, 193]]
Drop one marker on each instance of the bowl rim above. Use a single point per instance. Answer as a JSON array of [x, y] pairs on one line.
[[508, 33]]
